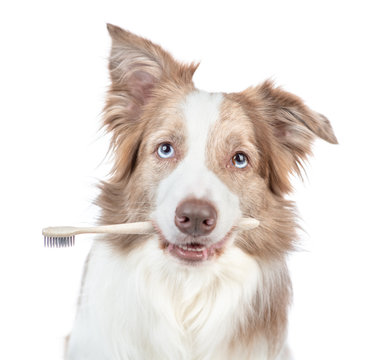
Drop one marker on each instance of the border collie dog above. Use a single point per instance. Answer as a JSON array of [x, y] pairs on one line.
[[193, 163]]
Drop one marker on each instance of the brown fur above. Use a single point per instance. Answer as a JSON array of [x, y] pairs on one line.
[[275, 237], [272, 127], [130, 116]]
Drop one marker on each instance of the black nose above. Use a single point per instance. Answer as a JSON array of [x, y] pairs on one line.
[[196, 217]]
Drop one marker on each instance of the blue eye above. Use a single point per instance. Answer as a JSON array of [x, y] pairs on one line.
[[239, 160], [165, 151]]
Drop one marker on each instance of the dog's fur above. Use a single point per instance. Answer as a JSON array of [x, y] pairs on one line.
[[139, 300]]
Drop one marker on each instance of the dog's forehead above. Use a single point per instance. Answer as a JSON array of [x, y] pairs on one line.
[[215, 116], [200, 121], [201, 110]]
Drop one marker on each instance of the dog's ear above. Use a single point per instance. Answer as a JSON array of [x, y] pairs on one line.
[[137, 68], [293, 126], [137, 65]]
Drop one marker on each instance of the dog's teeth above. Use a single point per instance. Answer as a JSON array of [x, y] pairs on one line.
[[192, 248], [199, 249]]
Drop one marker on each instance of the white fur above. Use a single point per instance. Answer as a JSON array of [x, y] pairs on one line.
[[192, 178], [146, 306]]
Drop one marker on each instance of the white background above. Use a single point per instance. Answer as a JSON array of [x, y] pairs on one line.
[[53, 76]]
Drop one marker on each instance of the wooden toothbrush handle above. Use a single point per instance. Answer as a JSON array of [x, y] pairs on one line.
[[143, 227]]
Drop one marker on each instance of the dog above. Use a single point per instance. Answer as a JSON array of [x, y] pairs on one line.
[[193, 163]]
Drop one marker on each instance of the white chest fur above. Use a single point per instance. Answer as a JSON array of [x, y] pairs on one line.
[[148, 306]]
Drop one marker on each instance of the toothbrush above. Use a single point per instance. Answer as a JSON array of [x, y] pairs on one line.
[[64, 236]]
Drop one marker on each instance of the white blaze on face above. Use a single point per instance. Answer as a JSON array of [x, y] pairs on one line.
[[191, 178]]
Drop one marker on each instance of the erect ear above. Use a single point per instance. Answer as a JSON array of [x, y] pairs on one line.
[[293, 127], [137, 65], [137, 68]]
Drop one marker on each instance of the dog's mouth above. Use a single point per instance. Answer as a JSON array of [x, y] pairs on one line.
[[190, 252], [194, 251]]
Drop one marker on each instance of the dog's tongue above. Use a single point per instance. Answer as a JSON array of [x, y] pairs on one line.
[[191, 252]]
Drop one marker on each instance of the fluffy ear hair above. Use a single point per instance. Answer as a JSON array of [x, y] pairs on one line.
[[137, 68], [137, 65], [293, 127]]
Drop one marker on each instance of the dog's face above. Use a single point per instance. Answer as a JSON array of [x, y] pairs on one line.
[[195, 162], [208, 154]]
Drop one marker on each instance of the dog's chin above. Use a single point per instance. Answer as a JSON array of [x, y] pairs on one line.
[[194, 250]]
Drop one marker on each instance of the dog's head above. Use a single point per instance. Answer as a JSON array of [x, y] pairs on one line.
[[195, 162]]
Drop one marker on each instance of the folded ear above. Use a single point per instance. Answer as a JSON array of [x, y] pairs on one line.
[[293, 127], [137, 68]]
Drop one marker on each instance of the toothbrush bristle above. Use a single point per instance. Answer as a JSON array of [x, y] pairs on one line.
[[59, 241]]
